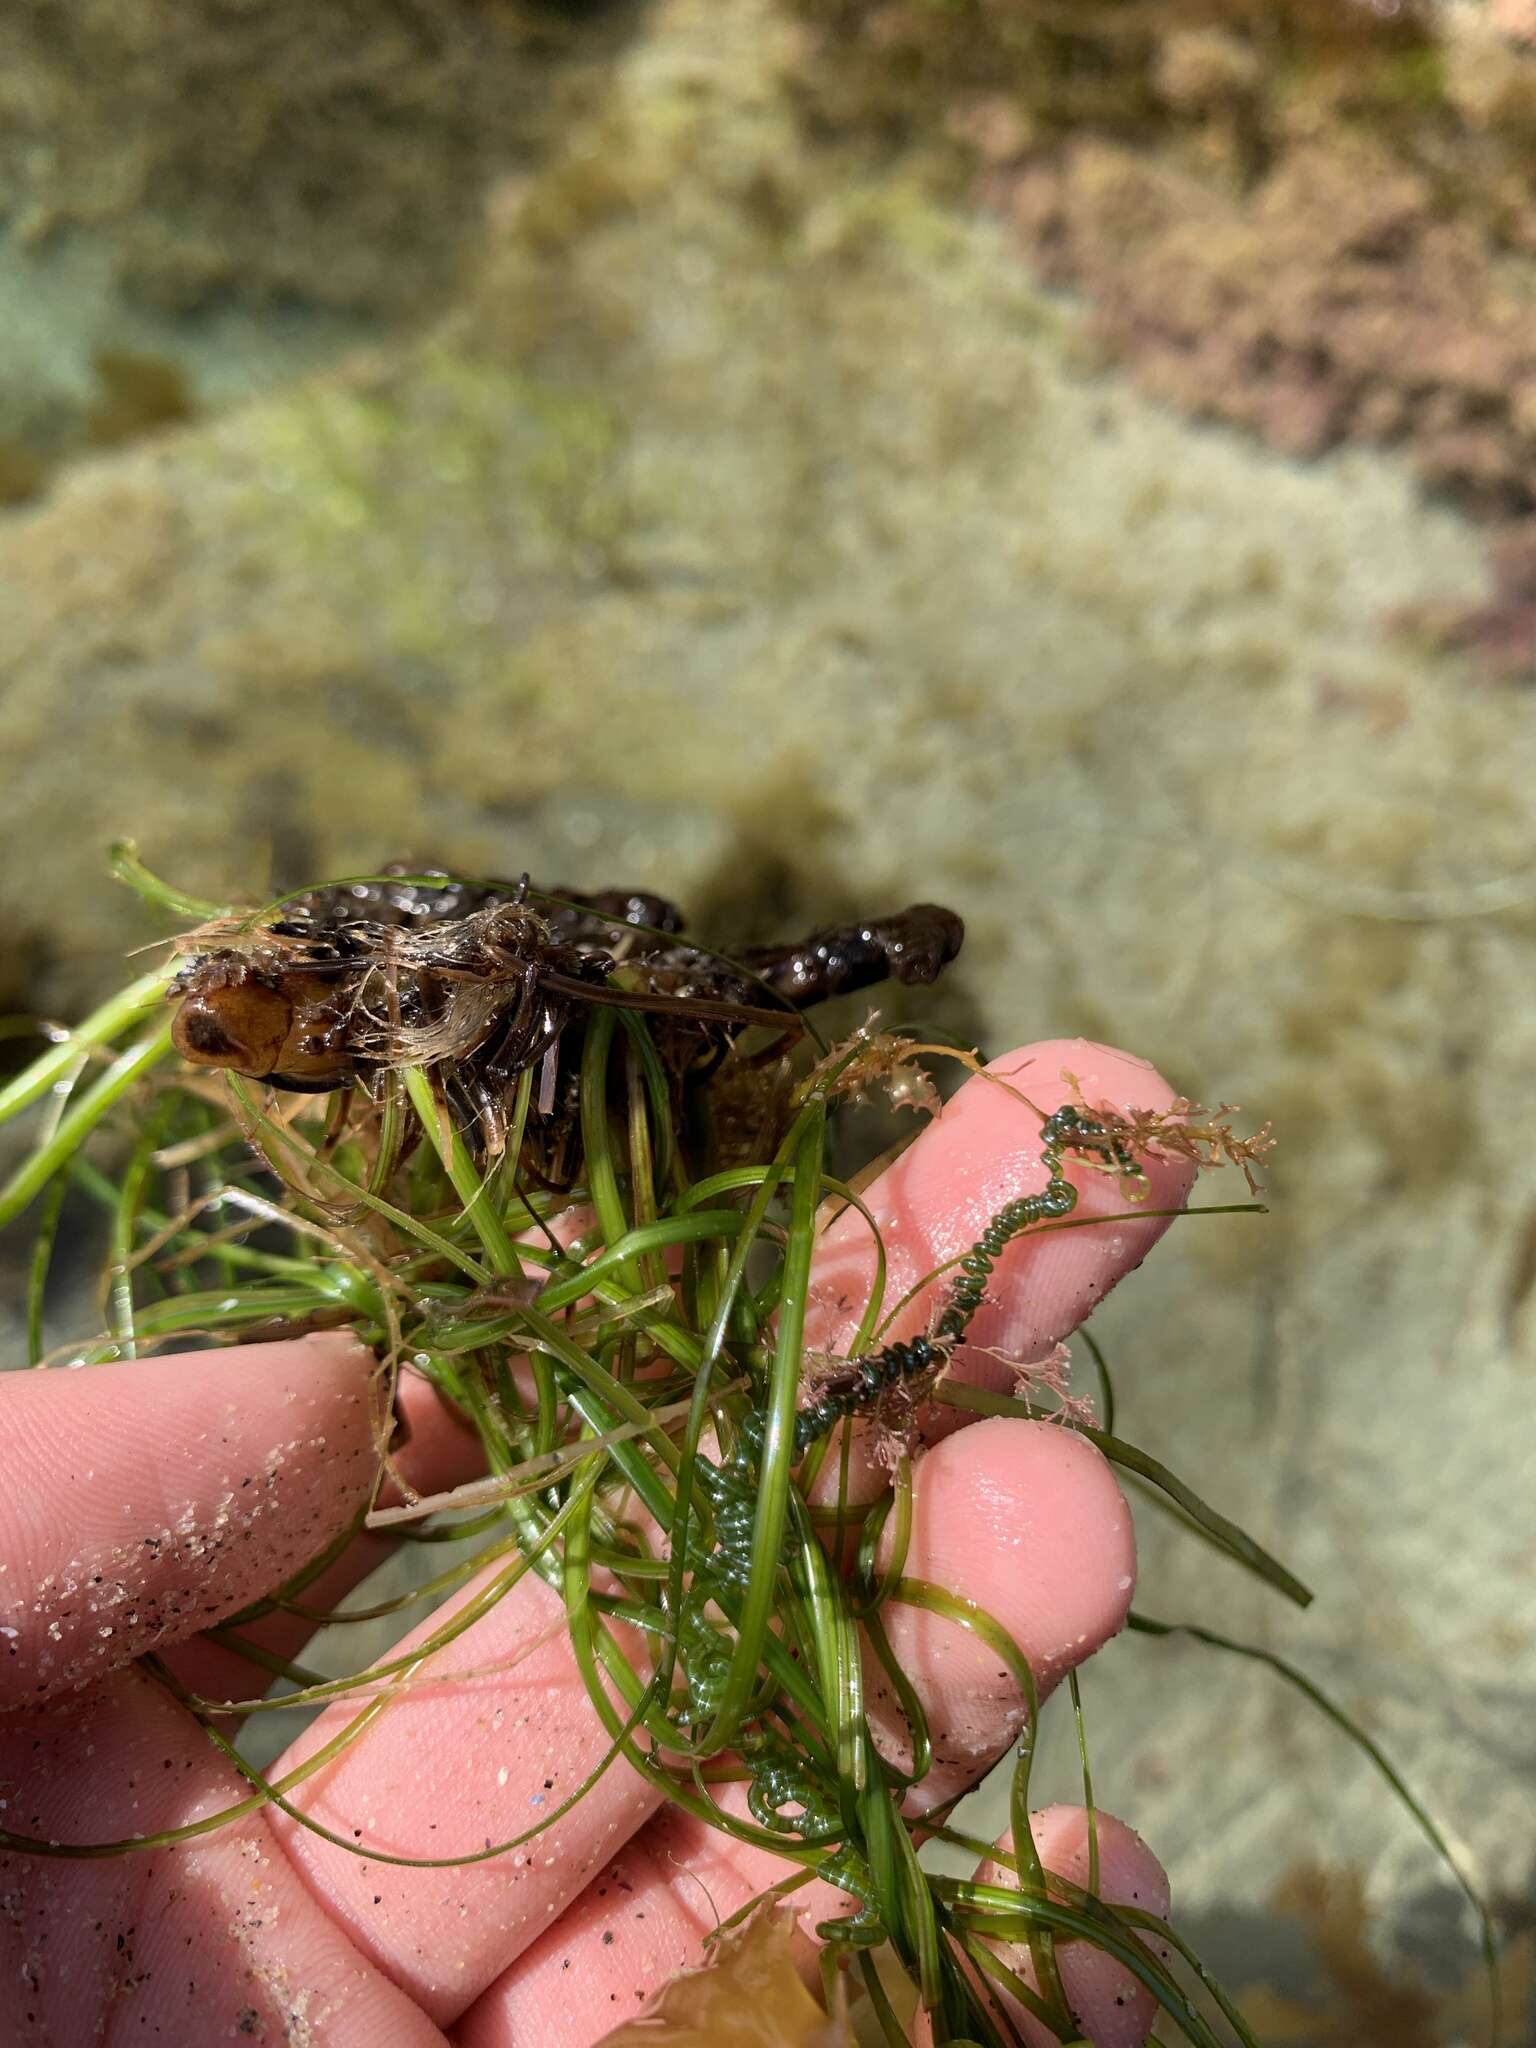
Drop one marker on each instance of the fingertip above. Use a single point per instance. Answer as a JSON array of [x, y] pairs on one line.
[[148, 1499], [1129, 1873], [1110, 2005], [994, 1120], [1096, 1065]]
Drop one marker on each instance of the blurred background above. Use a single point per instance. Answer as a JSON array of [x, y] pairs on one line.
[[1071, 459]]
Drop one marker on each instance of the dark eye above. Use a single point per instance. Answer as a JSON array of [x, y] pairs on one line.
[[243, 1027], [200, 1035]]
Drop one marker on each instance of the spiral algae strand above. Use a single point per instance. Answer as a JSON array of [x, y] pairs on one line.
[[569, 1169], [777, 1782], [865, 1380]]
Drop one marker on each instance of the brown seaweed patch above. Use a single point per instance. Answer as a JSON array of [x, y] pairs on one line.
[[23, 473], [1500, 631], [137, 394], [1338, 303], [1373, 2005]]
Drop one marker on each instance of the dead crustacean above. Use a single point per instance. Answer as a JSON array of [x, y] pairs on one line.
[[479, 981]]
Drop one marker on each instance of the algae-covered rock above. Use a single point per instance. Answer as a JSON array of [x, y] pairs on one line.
[[333, 151], [1313, 220], [755, 531]]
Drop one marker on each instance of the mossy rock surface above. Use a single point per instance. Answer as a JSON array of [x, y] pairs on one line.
[[335, 153]]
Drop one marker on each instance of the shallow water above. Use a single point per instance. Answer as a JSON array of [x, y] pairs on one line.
[[656, 445]]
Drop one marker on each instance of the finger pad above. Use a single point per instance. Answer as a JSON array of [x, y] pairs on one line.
[[152, 1498], [1113, 2009], [215, 1939], [1024, 1519], [451, 1767]]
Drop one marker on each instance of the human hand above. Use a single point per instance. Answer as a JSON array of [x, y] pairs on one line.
[[149, 1500]]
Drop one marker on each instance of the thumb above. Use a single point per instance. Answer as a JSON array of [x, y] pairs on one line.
[[142, 1501]]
